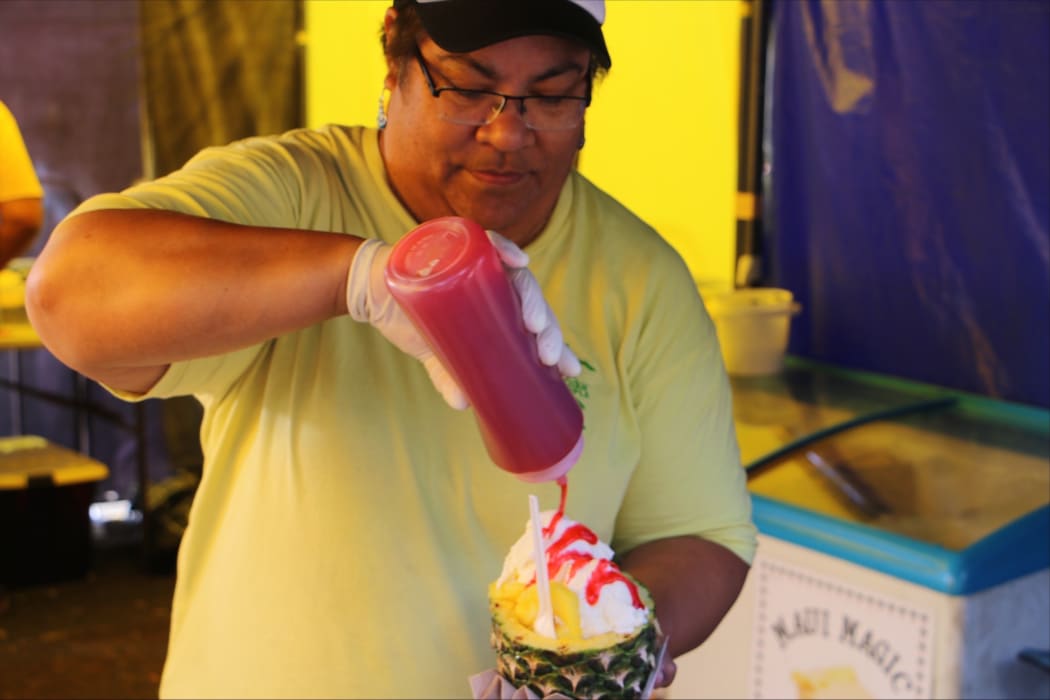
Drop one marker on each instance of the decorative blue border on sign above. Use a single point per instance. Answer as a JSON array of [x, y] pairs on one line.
[[1015, 550]]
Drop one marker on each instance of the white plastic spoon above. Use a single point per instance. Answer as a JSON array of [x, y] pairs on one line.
[[545, 619]]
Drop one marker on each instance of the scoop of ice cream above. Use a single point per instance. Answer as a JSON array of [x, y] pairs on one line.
[[608, 601]]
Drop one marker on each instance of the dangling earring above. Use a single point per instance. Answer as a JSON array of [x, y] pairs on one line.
[[381, 119]]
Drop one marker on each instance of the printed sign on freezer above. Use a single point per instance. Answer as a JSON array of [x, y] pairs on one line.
[[816, 637]]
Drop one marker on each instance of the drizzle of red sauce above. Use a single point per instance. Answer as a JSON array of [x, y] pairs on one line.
[[558, 555], [605, 573], [563, 484]]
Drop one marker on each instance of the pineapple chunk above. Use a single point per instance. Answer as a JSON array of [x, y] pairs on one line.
[[564, 601], [508, 591], [527, 607], [566, 611]]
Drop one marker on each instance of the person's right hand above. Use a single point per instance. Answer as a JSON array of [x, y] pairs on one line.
[[369, 300], [537, 314]]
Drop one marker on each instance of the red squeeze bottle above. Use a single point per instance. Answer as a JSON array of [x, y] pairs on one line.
[[448, 278]]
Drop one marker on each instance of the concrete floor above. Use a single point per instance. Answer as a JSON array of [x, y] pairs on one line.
[[103, 635]]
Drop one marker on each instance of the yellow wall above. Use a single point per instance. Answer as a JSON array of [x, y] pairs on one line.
[[344, 61], [661, 134]]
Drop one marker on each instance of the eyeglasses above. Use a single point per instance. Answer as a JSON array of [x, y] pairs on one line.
[[480, 107]]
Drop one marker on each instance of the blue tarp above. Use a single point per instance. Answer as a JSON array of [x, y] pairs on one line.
[[910, 188]]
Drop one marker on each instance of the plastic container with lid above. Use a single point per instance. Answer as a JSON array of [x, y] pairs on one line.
[[448, 277], [45, 493], [753, 326]]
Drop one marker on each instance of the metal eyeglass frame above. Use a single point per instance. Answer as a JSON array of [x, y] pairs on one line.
[[436, 91]]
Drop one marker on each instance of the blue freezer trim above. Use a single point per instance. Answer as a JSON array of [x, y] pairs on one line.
[[1019, 548], [919, 562], [1014, 550]]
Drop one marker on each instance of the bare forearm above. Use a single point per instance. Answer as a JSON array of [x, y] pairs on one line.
[[694, 582], [119, 295]]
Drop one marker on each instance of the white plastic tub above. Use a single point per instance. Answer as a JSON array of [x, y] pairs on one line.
[[753, 326]]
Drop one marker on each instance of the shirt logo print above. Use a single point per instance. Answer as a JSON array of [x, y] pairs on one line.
[[578, 385]]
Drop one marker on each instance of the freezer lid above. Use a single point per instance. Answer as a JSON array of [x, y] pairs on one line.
[[918, 469]]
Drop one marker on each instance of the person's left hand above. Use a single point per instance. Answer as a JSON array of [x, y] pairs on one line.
[[668, 669], [535, 311]]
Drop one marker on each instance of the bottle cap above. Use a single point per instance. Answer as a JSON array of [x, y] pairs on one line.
[[436, 249]]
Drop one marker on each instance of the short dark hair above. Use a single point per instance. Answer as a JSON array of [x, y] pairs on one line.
[[405, 35], [407, 30]]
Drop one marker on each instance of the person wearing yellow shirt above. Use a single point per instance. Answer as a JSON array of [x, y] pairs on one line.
[[349, 521], [21, 196]]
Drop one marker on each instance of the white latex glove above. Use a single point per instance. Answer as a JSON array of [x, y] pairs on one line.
[[537, 314], [369, 300]]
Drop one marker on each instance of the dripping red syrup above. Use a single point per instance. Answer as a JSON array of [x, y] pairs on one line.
[[604, 573]]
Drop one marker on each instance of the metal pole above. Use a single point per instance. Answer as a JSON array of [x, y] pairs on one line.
[[753, 34]]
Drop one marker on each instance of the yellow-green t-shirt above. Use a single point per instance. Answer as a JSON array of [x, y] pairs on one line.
[[348, 522]]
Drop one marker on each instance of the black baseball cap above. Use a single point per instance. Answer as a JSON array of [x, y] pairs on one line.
[[462, 26]]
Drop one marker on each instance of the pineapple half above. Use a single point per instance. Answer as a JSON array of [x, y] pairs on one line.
[[609, 665]]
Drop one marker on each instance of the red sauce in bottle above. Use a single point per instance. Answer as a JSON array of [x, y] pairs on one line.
[[448, 278]]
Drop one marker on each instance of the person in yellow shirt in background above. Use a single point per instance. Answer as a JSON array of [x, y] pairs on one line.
[[21, 196]]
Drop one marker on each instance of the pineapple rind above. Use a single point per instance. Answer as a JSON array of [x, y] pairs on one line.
[[607, 666]]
